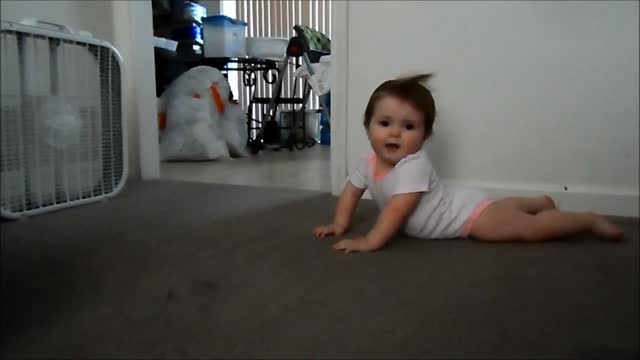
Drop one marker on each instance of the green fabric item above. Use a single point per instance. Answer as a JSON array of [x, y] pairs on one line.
[[315, 39]]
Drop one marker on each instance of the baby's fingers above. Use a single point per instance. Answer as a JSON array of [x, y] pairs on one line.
[[322, 231], [341, 245]]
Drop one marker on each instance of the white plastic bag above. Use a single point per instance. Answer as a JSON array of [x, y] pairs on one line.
[[233, 126], [197, 79], [192, 132], [179, 145], [320, 81], [199, 126]]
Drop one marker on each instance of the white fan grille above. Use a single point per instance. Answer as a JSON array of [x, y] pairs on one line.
[[61, 122]]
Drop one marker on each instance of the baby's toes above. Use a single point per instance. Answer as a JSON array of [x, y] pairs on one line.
[[607, 230], [549, 202]]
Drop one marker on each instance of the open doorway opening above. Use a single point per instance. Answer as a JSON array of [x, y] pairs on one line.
[[268, 80]]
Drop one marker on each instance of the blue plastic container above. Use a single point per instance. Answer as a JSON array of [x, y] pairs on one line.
[[224, 37], [325, 127], [190, 32], [325, 135]]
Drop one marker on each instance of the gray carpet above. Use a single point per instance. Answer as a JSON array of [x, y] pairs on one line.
[[179, 270]]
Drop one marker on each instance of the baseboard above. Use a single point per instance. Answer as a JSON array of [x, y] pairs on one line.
[[603, 200]]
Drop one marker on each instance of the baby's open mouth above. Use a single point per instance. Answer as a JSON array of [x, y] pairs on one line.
[[392, 146]]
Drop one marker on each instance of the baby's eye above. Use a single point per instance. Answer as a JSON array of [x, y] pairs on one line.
[[384, 123], [409, 127]]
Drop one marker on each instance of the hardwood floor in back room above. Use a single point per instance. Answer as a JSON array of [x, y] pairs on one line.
[[307, 169]]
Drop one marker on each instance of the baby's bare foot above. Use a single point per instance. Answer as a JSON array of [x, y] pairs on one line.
[[549, 203], [605, 229]]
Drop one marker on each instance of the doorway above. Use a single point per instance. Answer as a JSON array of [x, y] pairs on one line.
[[303, 167], [332, 163]]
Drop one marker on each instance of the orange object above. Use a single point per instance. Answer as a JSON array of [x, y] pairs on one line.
[[217, 99], [162, 120]]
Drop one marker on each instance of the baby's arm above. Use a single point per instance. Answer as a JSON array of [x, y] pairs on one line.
[[390, 220], [347, 203]]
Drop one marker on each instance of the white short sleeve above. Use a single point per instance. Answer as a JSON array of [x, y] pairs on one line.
[[413, 174], [359, 176]]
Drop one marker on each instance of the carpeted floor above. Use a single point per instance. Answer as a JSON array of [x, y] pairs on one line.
[[178, 270]]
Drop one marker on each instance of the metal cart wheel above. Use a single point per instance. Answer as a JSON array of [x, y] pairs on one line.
[[255, 145]]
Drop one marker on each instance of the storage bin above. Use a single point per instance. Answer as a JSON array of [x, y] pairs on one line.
[[194, 12], [224, 37], [188, 33], [271, 48]]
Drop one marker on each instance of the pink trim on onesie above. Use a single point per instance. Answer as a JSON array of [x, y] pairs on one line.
[[372, 165], [474, 215]]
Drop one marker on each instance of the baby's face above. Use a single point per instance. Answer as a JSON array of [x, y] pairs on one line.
[[396, 130]]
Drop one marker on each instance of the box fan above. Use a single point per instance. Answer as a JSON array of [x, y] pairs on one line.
[[63, 137]]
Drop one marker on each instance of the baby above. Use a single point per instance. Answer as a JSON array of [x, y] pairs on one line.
[[401, 179]]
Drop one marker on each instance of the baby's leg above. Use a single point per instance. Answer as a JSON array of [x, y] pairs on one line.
[[531, 205], [503, 222]]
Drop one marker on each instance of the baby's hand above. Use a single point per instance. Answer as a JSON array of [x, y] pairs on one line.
[[326, 230], [349, 245]]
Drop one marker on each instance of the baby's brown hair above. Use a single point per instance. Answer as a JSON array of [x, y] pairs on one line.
[[411, 90]]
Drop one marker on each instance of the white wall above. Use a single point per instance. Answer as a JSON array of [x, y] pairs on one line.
[[133, 33], [532, 96], [77, 14], [106, 20]]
